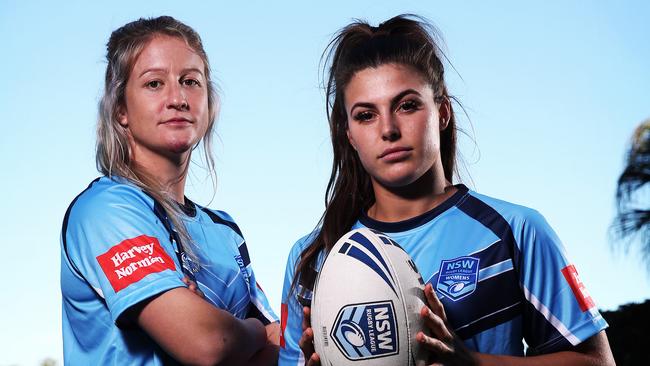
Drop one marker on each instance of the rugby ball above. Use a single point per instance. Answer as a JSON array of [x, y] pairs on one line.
[[366, 303]]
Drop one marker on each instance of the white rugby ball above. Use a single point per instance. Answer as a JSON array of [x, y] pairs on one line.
[[366, 303]]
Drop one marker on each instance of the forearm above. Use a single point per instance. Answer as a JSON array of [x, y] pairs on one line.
[[593, 351], [554, 359], [194, 332]]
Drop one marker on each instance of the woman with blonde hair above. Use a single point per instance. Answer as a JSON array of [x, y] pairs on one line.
[[147, 276]]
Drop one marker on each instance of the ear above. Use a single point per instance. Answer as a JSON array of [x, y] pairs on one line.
[[350, 139], [122, 117], [444, 113]]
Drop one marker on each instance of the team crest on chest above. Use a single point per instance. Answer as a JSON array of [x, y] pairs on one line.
[[458, 277]]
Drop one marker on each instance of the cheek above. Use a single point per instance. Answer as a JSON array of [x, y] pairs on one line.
[[356, 138], [430, 141], [140, 111], [202, 111]]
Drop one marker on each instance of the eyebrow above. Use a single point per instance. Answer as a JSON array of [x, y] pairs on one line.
[[164, 70], [393, 102]]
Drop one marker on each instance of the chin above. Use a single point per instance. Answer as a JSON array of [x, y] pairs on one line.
[[400, 177], [181, 144], [179, 147], [397, 182]]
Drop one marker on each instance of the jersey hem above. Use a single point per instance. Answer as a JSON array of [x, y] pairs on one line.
[[582, 331]]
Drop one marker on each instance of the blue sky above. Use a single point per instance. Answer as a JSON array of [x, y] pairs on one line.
[[553, 92]]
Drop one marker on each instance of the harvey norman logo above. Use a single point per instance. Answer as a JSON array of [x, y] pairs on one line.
[[133, 259]]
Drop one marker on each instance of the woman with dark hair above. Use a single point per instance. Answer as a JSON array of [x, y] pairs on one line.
[[496, 273], [148, 277]]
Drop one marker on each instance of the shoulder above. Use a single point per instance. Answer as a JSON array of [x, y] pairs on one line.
[[301, 244], [297, 249], [105, 194], [483, 207], [108, 199], [106, 213], [526, 225]]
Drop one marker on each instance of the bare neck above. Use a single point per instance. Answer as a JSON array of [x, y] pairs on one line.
[[402, 203], [169, 171]]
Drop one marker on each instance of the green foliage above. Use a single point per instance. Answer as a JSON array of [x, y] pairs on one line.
[[633, 193]]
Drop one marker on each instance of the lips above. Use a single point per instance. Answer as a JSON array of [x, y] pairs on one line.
[[394, 153], [177, 121]]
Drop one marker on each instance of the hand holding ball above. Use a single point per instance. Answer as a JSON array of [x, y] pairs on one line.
[[366, 303]]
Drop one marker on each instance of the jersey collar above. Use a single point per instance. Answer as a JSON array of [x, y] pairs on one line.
[[413, 222]]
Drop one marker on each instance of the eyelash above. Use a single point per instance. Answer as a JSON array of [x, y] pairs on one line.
[[184, 82], [149, 84], [193, 82], [363, 116], [407, 106]]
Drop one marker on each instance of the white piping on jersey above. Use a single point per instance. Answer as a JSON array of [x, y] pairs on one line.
[[219, 278], [486, 269], [224, 306], [234, 307], [214, 275], [301, 359], [485, 316], [555, 322], [256, 302], [99, 291], [474, 252], [482, 249]]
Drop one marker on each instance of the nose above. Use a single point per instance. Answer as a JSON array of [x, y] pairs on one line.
[[390, 129], [176, 98]]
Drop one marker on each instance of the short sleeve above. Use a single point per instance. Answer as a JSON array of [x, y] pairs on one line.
[[116, 243], [291, 314], [559, 312]]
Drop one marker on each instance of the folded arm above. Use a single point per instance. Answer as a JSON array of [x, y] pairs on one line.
[[195, 332]]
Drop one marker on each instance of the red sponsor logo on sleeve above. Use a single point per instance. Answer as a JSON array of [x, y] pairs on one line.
[[284, 312], [579, 290], [133, 259]]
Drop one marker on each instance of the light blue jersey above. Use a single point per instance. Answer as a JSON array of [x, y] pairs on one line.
[[116, 252], [498, 268]]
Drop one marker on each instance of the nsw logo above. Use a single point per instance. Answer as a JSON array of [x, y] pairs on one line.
[[458, 277], [364, 331]]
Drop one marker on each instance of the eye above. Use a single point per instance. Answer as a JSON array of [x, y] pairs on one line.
[[190, 82], [153, 84], [409, 106], [363, 116]]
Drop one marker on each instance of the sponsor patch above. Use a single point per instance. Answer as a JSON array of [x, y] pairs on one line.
[[458, 277], [133, 259], [364, 331], [579, 290], [284, 313]]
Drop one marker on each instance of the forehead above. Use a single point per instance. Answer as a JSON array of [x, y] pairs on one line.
[[167, 52], [384, 82]]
